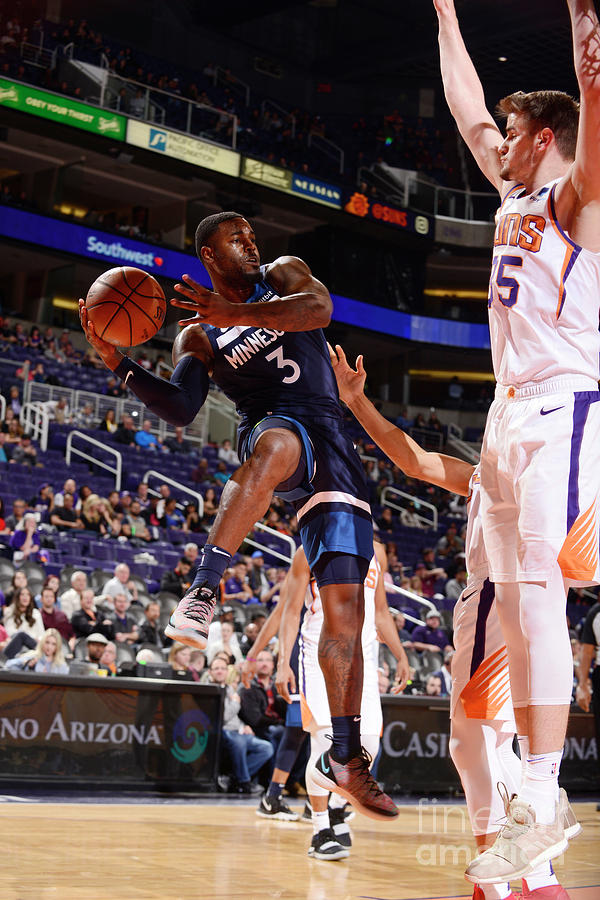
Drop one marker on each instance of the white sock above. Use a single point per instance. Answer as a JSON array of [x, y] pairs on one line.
[[542, 876], [523, 740], [495, 891], [540, 784], [320, 820], [336, 801]]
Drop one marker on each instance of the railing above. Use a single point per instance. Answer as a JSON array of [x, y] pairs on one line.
[[415, 501], [427, 438], [236, 85], [455, 440], [35, 421], [282, 537], [287, 116], [328, 148], [70, 451], [2, 407], [152, 473], [36, 55], [423, 601]]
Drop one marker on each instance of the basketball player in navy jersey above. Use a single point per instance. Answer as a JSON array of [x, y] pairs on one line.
[[258, 335]]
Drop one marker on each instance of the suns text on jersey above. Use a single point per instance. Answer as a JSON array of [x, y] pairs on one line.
[[516, 230]]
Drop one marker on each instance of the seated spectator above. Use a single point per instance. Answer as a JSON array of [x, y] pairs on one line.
[[145, 439], [150, 631], [97, 515], [178, 580], [95, 646], [18, 511], [88, 621], [120, 583], [69, 487], [85, 417], [201, 472], [14, 402], [455, 586], [276, 578], [211, 506], [5, 451], [179, 660], [65, 517], [227, 643], [172, 517], [24, 372], [455, 393], [26, 540], [177, 443], [228, 454], [249, 636], [48, 656], [450, 544], [108, 660], [257, 576], [141, 495], [70, 600], [430, 636], [24, 452], [193, 522], [18, 581], [134, 525], [109, 422], [125, 629], [261, 706], [247, 751], [237, 586], [43, 503], [445, 673], [222, 476], [197, 663], [59, 411], [409, 517], [125, 433], [23, 615], [114, 388], [52, 617], [191, 551], [385, 521], [403, 421], [433, 686], [429, 572], [14, 433]]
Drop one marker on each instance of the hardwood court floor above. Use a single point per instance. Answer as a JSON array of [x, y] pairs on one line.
[[184, 851]]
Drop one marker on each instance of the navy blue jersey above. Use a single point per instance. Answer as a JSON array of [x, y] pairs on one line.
[[265, 371]]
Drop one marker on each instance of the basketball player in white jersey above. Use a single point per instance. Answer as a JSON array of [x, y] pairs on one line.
[[482, 719], [539, 464], [301, 589]]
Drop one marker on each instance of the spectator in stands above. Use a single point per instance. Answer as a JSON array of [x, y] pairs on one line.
[[430, 636], [53, 617], [120, 583], [227, 643], [137, 104], [26, 540], [59, 411], [191, 551], [24, 452], [178, 443], [125, 629], [201, 472], [108, 660], [403, 421], [24, 372], [96, 516], [47, 657], [18, 581], [450, 544], [125, 433], [211, 506], [5, 452], [109, 422], [22, 615], [18, 511], [134, 525], [70, 600], [429, 572], [150, 632], [445, 673], [433, 686], [222, 476], [145, 439], [39, 375], [85, 491], [248, 637], [455, 393], [409, 517], [14, 402], [172, 517], [228, 454], [43, 503], [193, 522], [65, 517], [13, 434], [141, 495], [276, 578], [455, 586], [85, 417], [87, 620], [114, 388], [178, 580], [247, 751], [95, 645], [179, 660], [197, 663], [385, 522], [69, 487], [237, 586], [261, 706], [257, 576]]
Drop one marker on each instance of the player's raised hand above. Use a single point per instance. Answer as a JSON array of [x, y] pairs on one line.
[[247, 671], [108, 352], [350, 382], [209, 306], [285, 681]]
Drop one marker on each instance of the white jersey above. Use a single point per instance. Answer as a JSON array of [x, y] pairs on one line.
[[544, 299], [313, 618], [475, 556]]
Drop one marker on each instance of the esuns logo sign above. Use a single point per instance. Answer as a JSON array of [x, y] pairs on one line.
[[190, 736], [158, 140], [117, 250]]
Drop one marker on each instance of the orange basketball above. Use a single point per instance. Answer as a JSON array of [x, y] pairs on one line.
[[126, 305]]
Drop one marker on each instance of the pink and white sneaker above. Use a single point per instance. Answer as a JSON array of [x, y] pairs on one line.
[[189, 623], [550, 892]]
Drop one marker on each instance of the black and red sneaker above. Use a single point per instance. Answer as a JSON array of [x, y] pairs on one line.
[[354, 781]]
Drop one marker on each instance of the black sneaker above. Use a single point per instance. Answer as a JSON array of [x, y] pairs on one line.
[[189, 623], [307, 813], [276, 808], [249, 787], [325, 846], [354, 781], [341, 814], [342, 834]]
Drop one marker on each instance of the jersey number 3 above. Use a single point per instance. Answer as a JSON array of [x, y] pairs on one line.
[[507, 287], [283, 363]]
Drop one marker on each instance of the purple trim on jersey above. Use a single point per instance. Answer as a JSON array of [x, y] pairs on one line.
[[557, 223], [510, 193], [486, 598], [574, 253], [581, 408]]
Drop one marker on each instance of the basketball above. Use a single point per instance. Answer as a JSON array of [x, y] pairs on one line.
[[126, 305]]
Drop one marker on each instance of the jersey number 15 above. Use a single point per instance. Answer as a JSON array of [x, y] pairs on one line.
[[506, 286]]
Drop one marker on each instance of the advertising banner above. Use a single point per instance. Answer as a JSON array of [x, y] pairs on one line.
[[182, 146], [63, 109], [415, 754], [109, 731], [265, 173], [364, 207], [318, 191]]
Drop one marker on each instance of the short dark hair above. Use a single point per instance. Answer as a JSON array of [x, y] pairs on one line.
[[547, 109], [209, 225]]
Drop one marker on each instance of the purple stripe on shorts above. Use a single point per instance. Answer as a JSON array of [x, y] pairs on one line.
[[486, 598], [581, 408]]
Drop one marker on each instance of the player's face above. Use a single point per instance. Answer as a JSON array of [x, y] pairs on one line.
[[516, 152], [235, 253]]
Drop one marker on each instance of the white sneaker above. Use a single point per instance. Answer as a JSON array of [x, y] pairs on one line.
[[522, 844], [567, 813]]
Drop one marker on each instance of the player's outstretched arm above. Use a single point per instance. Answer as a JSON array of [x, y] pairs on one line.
[[386, 628], [585, 173], [465, 97], [437, 468], [177, 401], [292, 598], [304, 304]]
